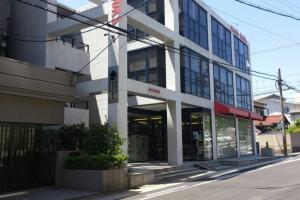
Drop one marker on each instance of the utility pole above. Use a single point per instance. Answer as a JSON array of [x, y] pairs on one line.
[[280, 84]]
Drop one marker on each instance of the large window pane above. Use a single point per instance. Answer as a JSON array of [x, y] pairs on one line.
[[221, 41], [147, 65], [246, 137], [196, 134], [194, 23], [226, 137], [195, 73]]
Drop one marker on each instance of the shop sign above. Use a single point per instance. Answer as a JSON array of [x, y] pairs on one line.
[[238, 34], [113, 85], [116, 11], [154, 90]]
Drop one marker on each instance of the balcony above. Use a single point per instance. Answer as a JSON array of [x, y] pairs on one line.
[[23, 79]]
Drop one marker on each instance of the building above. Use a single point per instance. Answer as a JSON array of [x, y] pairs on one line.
[[260, 108], [273, 105], [192, 104], [177, 85], [32, 97]]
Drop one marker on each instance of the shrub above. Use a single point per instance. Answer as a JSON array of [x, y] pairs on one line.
[[295, 128], [72, 136], [103, 139], [102, 150]]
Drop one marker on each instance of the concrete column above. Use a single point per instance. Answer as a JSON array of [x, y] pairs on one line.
[[117, 111], [174, 118], [174, 123], [213, 115], [212, 92], [237, 137]]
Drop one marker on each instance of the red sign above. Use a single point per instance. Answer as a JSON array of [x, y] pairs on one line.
[[238, 34], [116, 11], [154, 90]]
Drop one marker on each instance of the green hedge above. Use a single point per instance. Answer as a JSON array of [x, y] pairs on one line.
[[101, 149], [96, 162], [295, 128]]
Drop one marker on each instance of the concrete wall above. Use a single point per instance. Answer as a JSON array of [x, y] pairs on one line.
[[65, 57], [76, 116], [275, 141], [24, 79], [27, 22], [30, 110], [273, 106], [294, 117]]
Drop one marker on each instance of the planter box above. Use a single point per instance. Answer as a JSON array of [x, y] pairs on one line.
[[267, 152], [98, 181]]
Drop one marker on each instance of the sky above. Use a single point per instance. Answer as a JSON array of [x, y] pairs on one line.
[[264, 31]]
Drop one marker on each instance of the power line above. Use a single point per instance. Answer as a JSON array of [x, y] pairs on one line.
[[275, 48], [258, 27], [268, 10], [98, 54], [125, 33], [287, 5], [135, 7], [165, 46]]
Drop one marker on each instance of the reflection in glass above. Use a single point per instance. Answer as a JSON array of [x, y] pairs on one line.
[[245, 132], [226, 137]]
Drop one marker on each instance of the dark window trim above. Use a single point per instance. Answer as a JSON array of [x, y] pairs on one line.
[[244, 100], [223, 89], [222, 46], [187, 74]]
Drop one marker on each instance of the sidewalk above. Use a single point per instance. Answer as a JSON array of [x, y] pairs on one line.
[[52, 193], [210, 175], [46, 193]]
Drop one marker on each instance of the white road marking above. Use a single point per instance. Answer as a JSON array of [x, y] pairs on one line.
[[185, 187]]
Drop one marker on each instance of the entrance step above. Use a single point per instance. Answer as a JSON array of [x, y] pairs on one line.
[[244, 161], [179, 174], [213, 165]]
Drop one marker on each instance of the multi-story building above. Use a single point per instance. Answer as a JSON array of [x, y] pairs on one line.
[[185, 96], [172, 75]]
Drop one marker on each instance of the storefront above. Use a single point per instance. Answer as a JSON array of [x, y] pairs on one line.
[[226, 137], [234, 130]]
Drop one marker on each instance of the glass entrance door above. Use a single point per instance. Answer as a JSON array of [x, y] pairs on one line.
[[196, 134], [147, 136]]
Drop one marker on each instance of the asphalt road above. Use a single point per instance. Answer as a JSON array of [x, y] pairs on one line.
[[274, 182]]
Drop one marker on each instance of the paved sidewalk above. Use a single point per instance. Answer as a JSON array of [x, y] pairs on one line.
[[46, 193]]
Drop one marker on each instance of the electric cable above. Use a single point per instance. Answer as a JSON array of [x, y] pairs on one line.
[[127, 34]]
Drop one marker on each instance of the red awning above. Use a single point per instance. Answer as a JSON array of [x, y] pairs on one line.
[[257, 117], [230, 110]]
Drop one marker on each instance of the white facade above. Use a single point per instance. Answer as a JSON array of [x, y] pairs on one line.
[[132, 93]]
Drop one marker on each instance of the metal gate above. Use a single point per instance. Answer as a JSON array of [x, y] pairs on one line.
[[27, 156]]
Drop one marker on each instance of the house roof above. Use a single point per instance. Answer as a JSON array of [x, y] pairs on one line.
[[271, 96], [270, 120], [294, 111]]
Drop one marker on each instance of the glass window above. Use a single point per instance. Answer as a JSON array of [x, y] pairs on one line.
[[226, 137], [195, 74], [221, 41], [246, 137], [147, 65], [223, 80], [243, 93], [241, 54], [196, 134], [137, 61], [193, 23]]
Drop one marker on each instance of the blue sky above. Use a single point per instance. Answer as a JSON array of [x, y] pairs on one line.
[[278, 31]]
